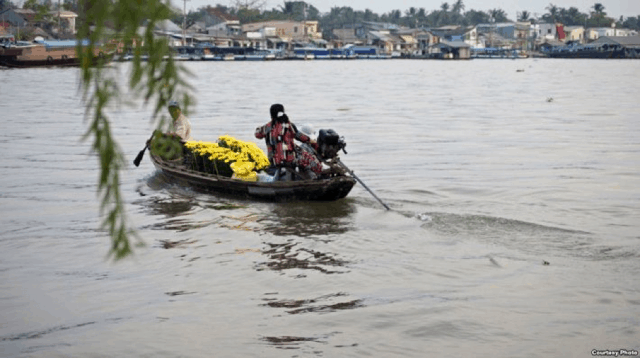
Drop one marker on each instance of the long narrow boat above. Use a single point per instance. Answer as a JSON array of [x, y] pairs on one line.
[[43, 54], [334, 188]]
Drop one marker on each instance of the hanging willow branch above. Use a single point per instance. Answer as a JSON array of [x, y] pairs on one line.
[[111, 26]]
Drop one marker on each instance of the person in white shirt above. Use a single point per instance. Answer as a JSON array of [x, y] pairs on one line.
[[181, 124]]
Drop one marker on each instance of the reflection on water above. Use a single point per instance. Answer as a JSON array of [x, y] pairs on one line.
[[176, 204], [178, 293], [292, 255], [322, 304], [172, 244], [182, 211], [305, 219], [301, 219], [290, 342], [41, 333], [168, 207]]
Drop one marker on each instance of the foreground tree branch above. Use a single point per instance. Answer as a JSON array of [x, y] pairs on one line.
[[110, 26]]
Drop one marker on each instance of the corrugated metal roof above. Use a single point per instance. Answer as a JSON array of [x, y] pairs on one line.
[[448, 28], [24, 11], [554, 43], [385, 36], [408, 39], [620, 40]]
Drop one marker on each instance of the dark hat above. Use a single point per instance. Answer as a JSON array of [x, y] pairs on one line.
[[275, 110]]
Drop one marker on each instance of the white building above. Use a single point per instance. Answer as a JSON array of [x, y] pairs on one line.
[[543, 31], [595, 33], [67, 17]]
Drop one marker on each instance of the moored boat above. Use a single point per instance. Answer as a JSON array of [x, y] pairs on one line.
[[588, 51], [42, 54]]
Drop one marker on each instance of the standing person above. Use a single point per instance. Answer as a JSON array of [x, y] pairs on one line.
[[279, 135], [181, 125]]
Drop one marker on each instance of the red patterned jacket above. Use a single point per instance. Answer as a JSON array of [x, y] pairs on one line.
[[279, 137]]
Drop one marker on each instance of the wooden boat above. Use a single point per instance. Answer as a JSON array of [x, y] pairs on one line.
[[50, 53], [334, 188]]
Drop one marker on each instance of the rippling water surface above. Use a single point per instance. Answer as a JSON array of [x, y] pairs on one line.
[[514, 230]]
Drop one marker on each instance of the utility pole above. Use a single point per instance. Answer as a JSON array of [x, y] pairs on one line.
[[59, 28], [304, 13], [184, 24]]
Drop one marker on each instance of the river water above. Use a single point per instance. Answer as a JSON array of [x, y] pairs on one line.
[[514, 230]]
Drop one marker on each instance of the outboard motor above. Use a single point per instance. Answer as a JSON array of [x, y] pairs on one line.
[[330, 143]]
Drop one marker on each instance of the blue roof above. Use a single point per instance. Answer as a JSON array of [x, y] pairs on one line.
[[63, 43]]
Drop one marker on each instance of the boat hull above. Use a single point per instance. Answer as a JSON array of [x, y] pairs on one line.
[[59, 62], [315, 190], [588, 54], [42, 56]]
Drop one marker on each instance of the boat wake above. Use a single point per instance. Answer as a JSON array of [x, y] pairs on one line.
[[531, 238]]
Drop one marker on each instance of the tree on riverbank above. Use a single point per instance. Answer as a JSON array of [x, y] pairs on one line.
[[599, 17], [448, 14], [524, 15], [596, 18]]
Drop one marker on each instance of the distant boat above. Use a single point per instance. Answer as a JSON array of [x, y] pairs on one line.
[[498, 53], [260, 56], [346, 52], [304, 53], [129, 57], [181, 57], [46, 54], [588, 51], [362, 52], [311, 53]]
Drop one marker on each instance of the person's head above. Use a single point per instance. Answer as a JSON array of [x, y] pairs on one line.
[[276, 111], [174, 109]]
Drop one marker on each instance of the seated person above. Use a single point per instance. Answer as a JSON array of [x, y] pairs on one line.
[[279, 135], [308, 154], [181, 125]]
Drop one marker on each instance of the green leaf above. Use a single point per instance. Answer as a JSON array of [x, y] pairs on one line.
[[102, 88]]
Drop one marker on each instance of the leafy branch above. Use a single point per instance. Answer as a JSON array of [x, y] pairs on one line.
[[158, 80]]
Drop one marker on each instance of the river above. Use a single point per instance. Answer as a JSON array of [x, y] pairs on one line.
[[514, 231]]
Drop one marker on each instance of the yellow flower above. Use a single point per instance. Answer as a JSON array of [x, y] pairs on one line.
[[242, 168], [245, 158]]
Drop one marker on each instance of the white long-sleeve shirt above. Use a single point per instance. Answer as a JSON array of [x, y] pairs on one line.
[[182, 127]]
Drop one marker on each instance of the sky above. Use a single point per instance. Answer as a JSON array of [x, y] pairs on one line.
[[613, 8]]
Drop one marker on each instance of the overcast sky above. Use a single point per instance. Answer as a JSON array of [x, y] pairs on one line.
[[613, 8]]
